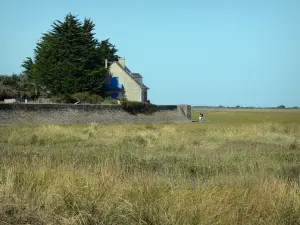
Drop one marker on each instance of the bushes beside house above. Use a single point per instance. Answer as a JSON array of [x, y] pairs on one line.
[[134, 107], [87, 97], [82, 97], [62, 99]]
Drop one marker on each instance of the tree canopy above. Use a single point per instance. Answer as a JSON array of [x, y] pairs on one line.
[[69, 59]]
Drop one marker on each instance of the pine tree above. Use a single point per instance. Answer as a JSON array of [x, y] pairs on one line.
[[69, 59], [29, 80]]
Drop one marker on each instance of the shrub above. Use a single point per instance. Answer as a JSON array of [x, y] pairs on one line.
[[122, 98], [94, 99], [87, 97], [63, 99], [81, 96], [110, 100], [134, 107]]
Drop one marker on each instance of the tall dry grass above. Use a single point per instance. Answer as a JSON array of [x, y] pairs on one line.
[[150, 174]]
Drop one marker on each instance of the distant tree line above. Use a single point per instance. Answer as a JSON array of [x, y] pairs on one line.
[[68, 62]]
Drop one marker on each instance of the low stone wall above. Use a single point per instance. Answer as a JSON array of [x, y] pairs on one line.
[[77, 114], [187, 110], [47, 107]]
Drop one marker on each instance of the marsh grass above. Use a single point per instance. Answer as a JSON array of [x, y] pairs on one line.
[[224, 115], [217, 173]]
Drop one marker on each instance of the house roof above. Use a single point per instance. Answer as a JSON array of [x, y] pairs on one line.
[[143, 86], [127, 70], [137, 75]]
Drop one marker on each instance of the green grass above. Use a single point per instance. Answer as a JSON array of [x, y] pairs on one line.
[[248, 115], [235, 170]]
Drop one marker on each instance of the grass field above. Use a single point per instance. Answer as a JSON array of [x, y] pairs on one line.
[[225, 115], [241, 167]]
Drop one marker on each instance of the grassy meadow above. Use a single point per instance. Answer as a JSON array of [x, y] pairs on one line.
[[240, 167]]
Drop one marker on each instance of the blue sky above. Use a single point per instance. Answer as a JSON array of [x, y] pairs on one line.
[[216, 52]]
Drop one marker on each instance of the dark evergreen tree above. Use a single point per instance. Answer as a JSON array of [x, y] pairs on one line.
[[69, 59], [29, 79]]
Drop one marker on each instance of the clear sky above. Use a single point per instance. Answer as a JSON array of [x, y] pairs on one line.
[[212, 52]]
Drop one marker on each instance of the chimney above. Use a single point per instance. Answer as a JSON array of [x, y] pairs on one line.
[[121, 60]]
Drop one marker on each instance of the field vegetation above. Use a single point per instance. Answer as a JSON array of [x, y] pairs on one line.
[[239, 167]]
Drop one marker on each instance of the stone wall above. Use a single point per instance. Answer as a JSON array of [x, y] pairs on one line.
[[43, 107], [74, 114], [187, 110]]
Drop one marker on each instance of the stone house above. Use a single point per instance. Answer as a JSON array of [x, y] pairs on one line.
[[121, 81]]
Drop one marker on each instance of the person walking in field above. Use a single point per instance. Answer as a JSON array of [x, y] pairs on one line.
[[201, 117]]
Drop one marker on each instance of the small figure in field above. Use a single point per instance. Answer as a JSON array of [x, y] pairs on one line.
[[201, 117]]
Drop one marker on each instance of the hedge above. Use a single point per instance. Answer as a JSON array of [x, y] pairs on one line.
[[134, 107]]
